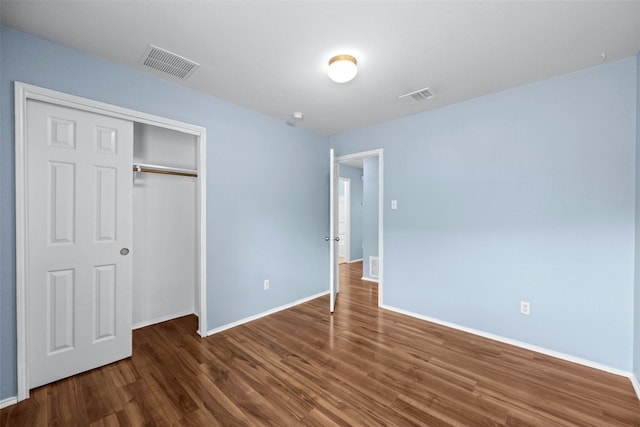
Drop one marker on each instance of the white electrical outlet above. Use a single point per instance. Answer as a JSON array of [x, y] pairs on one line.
[[525, 308], [266, 284]]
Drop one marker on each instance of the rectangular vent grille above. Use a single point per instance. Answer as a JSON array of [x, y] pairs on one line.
[[417, 96], [168, 62], [374, 266]]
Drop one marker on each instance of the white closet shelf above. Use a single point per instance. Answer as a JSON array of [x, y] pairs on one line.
[[167, 170]]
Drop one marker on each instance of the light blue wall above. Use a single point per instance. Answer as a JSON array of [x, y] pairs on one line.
[[636, 327], [355, 175], [370, 214], [267, 185], [527, 194]]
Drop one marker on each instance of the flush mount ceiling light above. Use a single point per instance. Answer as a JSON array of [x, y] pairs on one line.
[[342, 68]]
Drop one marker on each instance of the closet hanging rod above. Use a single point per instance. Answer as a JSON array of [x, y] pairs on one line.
[[141, 167]]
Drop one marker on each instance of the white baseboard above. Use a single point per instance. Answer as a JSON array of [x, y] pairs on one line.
[[8, 401], [264, 313], [537, 349], [369, 279], [162, 319]]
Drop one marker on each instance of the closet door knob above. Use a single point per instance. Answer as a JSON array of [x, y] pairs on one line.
[[124, 251]]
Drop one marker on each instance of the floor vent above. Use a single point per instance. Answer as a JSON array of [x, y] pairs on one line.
[[168, 62], [417, 96], [374, 266]]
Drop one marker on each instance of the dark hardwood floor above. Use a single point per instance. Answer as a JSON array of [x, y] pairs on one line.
[[362, 366]]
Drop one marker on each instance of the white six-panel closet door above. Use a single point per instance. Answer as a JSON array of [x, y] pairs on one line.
[[79, 228]]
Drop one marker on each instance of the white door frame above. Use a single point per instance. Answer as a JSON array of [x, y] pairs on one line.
[[379, 153], [24, 92], [334, 190], [347, 220]]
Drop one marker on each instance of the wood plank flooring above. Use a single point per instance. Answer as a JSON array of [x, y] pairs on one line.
[[362, 366]]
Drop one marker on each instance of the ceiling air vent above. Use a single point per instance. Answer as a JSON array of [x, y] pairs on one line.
[[417, 96], [168, 62]]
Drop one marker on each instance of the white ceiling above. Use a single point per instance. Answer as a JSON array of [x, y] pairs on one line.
[[271, 56]]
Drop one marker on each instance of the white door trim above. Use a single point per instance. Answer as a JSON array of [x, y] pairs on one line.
[[379, 153], [24, 92], [347, 220], [334, 276]]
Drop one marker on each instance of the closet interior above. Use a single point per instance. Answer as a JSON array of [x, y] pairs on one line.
[[165, 266]]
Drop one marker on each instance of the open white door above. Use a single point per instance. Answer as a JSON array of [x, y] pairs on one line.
[[78, 235], [333, 238]]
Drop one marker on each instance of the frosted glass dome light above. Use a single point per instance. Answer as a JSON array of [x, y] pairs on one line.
[[343, 68]]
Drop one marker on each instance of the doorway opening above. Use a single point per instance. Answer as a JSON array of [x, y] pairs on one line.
[[369, 171]]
